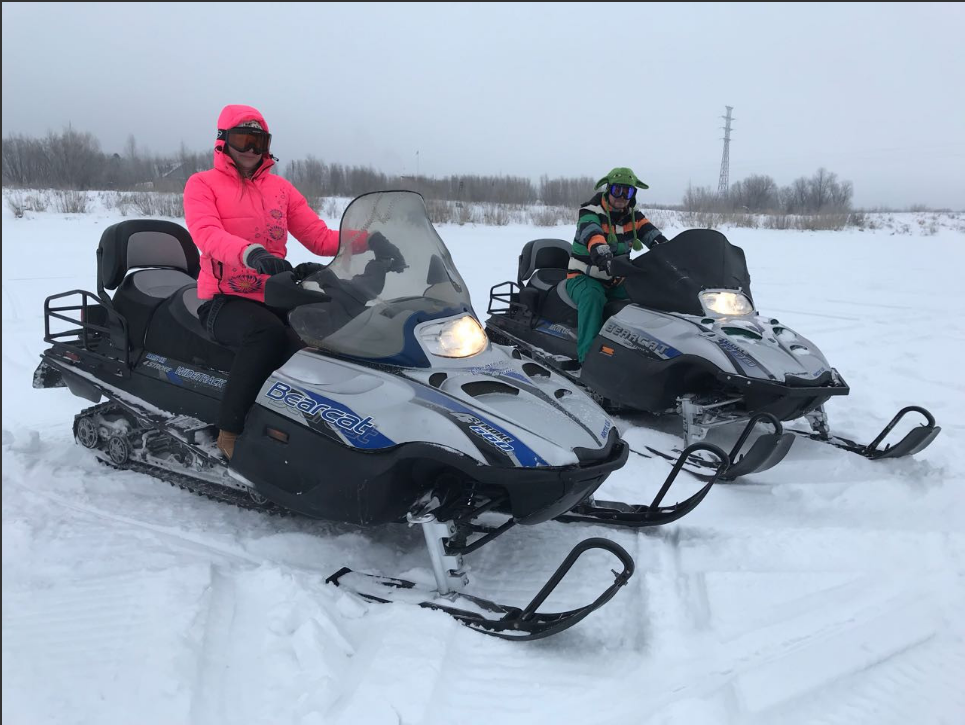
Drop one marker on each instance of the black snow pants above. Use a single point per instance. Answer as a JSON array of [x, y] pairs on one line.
[[263, 342]]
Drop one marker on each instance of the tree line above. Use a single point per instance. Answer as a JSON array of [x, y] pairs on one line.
[[74, 160], [821, 193]]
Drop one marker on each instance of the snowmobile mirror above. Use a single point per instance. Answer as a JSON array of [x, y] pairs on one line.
[[437, 273]]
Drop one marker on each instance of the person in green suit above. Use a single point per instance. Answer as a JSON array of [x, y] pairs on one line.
[[609, 224]]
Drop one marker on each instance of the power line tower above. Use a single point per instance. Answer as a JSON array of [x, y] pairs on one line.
[[724, 182]]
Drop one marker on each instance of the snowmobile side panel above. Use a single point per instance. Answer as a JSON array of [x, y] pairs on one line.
[[297, 465]]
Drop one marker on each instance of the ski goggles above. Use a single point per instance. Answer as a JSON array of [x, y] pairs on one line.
[[619, 191], [244, 139]]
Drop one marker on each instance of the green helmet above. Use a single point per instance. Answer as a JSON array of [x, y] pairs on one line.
[[621, 175]]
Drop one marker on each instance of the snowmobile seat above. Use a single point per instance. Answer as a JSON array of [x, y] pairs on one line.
[[543, 255], [176, 332], [542, 264], [165, 259]]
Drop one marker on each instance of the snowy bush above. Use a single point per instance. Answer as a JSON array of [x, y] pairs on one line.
[[549, 216], [16, 203], [70, 201], [495, 215]]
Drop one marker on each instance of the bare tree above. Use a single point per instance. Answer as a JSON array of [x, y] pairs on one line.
[[75, 157], [819, 189], [754, 194], [24, 161]]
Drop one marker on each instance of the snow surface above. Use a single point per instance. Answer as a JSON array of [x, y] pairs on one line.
[[829, 589]]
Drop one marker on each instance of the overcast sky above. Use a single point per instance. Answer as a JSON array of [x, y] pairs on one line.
[[872, 92]]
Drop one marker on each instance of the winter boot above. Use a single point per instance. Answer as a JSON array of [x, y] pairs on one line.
[[226, 443]]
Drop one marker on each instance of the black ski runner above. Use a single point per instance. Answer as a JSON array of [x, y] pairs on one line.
[[915, 440], [489, 617], [617, 513]]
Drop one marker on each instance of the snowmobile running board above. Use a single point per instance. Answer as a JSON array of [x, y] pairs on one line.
[[486, 616], [915, 440], [615, 513]]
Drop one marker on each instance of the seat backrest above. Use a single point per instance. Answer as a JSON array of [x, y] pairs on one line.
[[139, 243], [543, 254]]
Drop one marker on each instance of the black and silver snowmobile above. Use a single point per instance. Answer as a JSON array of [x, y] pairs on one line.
[[400, 409], [689, 341]]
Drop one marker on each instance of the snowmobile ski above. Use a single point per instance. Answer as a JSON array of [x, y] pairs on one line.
[[616, 513], [915, 440], [484, 615]]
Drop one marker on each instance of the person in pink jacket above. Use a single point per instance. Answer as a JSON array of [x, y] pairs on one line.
[[240, 215]]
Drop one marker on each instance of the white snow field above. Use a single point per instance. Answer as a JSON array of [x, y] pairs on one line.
[[829, 589]]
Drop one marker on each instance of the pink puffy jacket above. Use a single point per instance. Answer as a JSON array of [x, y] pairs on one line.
[[226, 214]]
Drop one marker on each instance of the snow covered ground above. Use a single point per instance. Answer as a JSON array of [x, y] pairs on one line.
[[829, 589]]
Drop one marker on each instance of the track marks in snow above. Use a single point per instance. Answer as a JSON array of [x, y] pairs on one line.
[[88, 646]]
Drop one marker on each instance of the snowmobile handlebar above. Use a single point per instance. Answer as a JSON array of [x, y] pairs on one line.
[[622, 266], [286, 292]]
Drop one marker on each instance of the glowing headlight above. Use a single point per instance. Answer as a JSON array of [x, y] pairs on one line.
[[726, 304], [462, 337]]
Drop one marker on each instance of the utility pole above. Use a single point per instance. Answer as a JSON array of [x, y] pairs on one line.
[[724, 184]]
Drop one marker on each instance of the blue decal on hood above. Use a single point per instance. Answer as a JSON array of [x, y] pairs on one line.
[[485, 429], [359, 431], [640, 340], [737, 352]]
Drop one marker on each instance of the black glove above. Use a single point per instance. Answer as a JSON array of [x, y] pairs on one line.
[[386, 251], [307, 269], [602, 256], [263, 261], [661, 239]]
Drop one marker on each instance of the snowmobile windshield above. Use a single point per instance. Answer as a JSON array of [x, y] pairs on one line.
[[671, 276], [392, 272]]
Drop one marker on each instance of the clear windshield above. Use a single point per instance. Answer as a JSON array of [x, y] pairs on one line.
[[392, 271]]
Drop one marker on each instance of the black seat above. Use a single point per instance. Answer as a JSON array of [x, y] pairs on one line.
[[159, 298], [542, 266], [175, 331], [165, 258], [545, 258]]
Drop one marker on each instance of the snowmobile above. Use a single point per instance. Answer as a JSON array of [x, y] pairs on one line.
[[689, 341], [398, 410]]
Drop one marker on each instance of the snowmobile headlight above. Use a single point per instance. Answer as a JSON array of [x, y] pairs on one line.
[[462, 337], [725, 303]]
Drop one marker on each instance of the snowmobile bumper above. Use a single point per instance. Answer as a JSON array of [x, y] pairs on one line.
[[784, 401]]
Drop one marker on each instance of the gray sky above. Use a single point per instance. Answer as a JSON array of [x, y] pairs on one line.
[[873, 92]]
